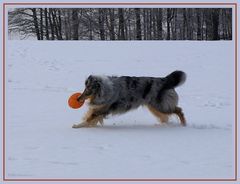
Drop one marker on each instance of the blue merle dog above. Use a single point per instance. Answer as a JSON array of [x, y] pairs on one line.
[[110, 95]]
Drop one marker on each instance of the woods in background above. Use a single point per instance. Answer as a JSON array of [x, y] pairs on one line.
[[122, 23]]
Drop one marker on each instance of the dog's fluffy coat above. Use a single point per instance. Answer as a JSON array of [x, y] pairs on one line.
[[116, 95]]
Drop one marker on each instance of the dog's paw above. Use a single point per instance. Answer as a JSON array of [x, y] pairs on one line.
[[75, 126], [79, 125]]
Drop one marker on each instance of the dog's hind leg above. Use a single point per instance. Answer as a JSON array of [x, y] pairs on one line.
[[163, 117], [178, 111]]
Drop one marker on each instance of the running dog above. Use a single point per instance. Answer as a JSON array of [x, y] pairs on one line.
[[110, 95]]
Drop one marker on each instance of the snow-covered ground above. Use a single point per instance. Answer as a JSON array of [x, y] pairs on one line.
[[40, 143]]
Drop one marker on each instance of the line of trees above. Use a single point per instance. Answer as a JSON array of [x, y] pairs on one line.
[[122, 23]]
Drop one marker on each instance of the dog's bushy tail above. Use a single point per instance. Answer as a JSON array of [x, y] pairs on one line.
[[174, 79]]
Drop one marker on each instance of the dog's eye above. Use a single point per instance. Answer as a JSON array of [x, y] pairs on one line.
[[96, 85]]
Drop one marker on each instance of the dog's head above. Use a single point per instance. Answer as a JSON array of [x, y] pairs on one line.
[[92, 88]]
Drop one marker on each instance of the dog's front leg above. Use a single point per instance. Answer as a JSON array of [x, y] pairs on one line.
[[91, 121], [93, 117], [80, 125], [87, 121], [85, 124]]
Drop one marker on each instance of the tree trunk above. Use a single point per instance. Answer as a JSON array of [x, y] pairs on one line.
[[168, 22], [41, 23], [101, 23], [198, 24], [150, 24], [59, 23], [121, 34], [90, 31], [215, 23], [209, 27], [46, 24], [229, 23], [35, 20], [69, 20], [144, 24], [51, 24], [154, 15], [112, 20], [184, 24], [138, 24], [159, 24], [54, 21], [189, 25], [75, 24], [202, 28], [173, 23]]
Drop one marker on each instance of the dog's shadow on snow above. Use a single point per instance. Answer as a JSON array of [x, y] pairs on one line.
[[139, 127], [159, 127]]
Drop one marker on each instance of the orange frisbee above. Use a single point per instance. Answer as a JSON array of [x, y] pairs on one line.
[[73, 102]]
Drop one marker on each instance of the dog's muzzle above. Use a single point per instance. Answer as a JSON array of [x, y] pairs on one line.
[[85, 95]]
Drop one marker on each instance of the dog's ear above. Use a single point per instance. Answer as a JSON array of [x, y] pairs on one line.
[[90, 77], [88, 80], [98, 84], [98, 87]]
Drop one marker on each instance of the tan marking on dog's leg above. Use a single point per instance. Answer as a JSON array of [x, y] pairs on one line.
[[92, 117], [91, 121], [179, 113], [84, 123], [163, 117]]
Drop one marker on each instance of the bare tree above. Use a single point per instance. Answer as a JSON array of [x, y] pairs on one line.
[[101, 23], [75, 24], [170, 15], [121, 33], [159, 24], [199, 27], [51, 24], [215, 21], [36, 23], [41, 24], [138, 24], [46, 24], [112, 24]]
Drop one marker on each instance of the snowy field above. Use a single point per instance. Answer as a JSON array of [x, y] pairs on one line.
[[40, 76]]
